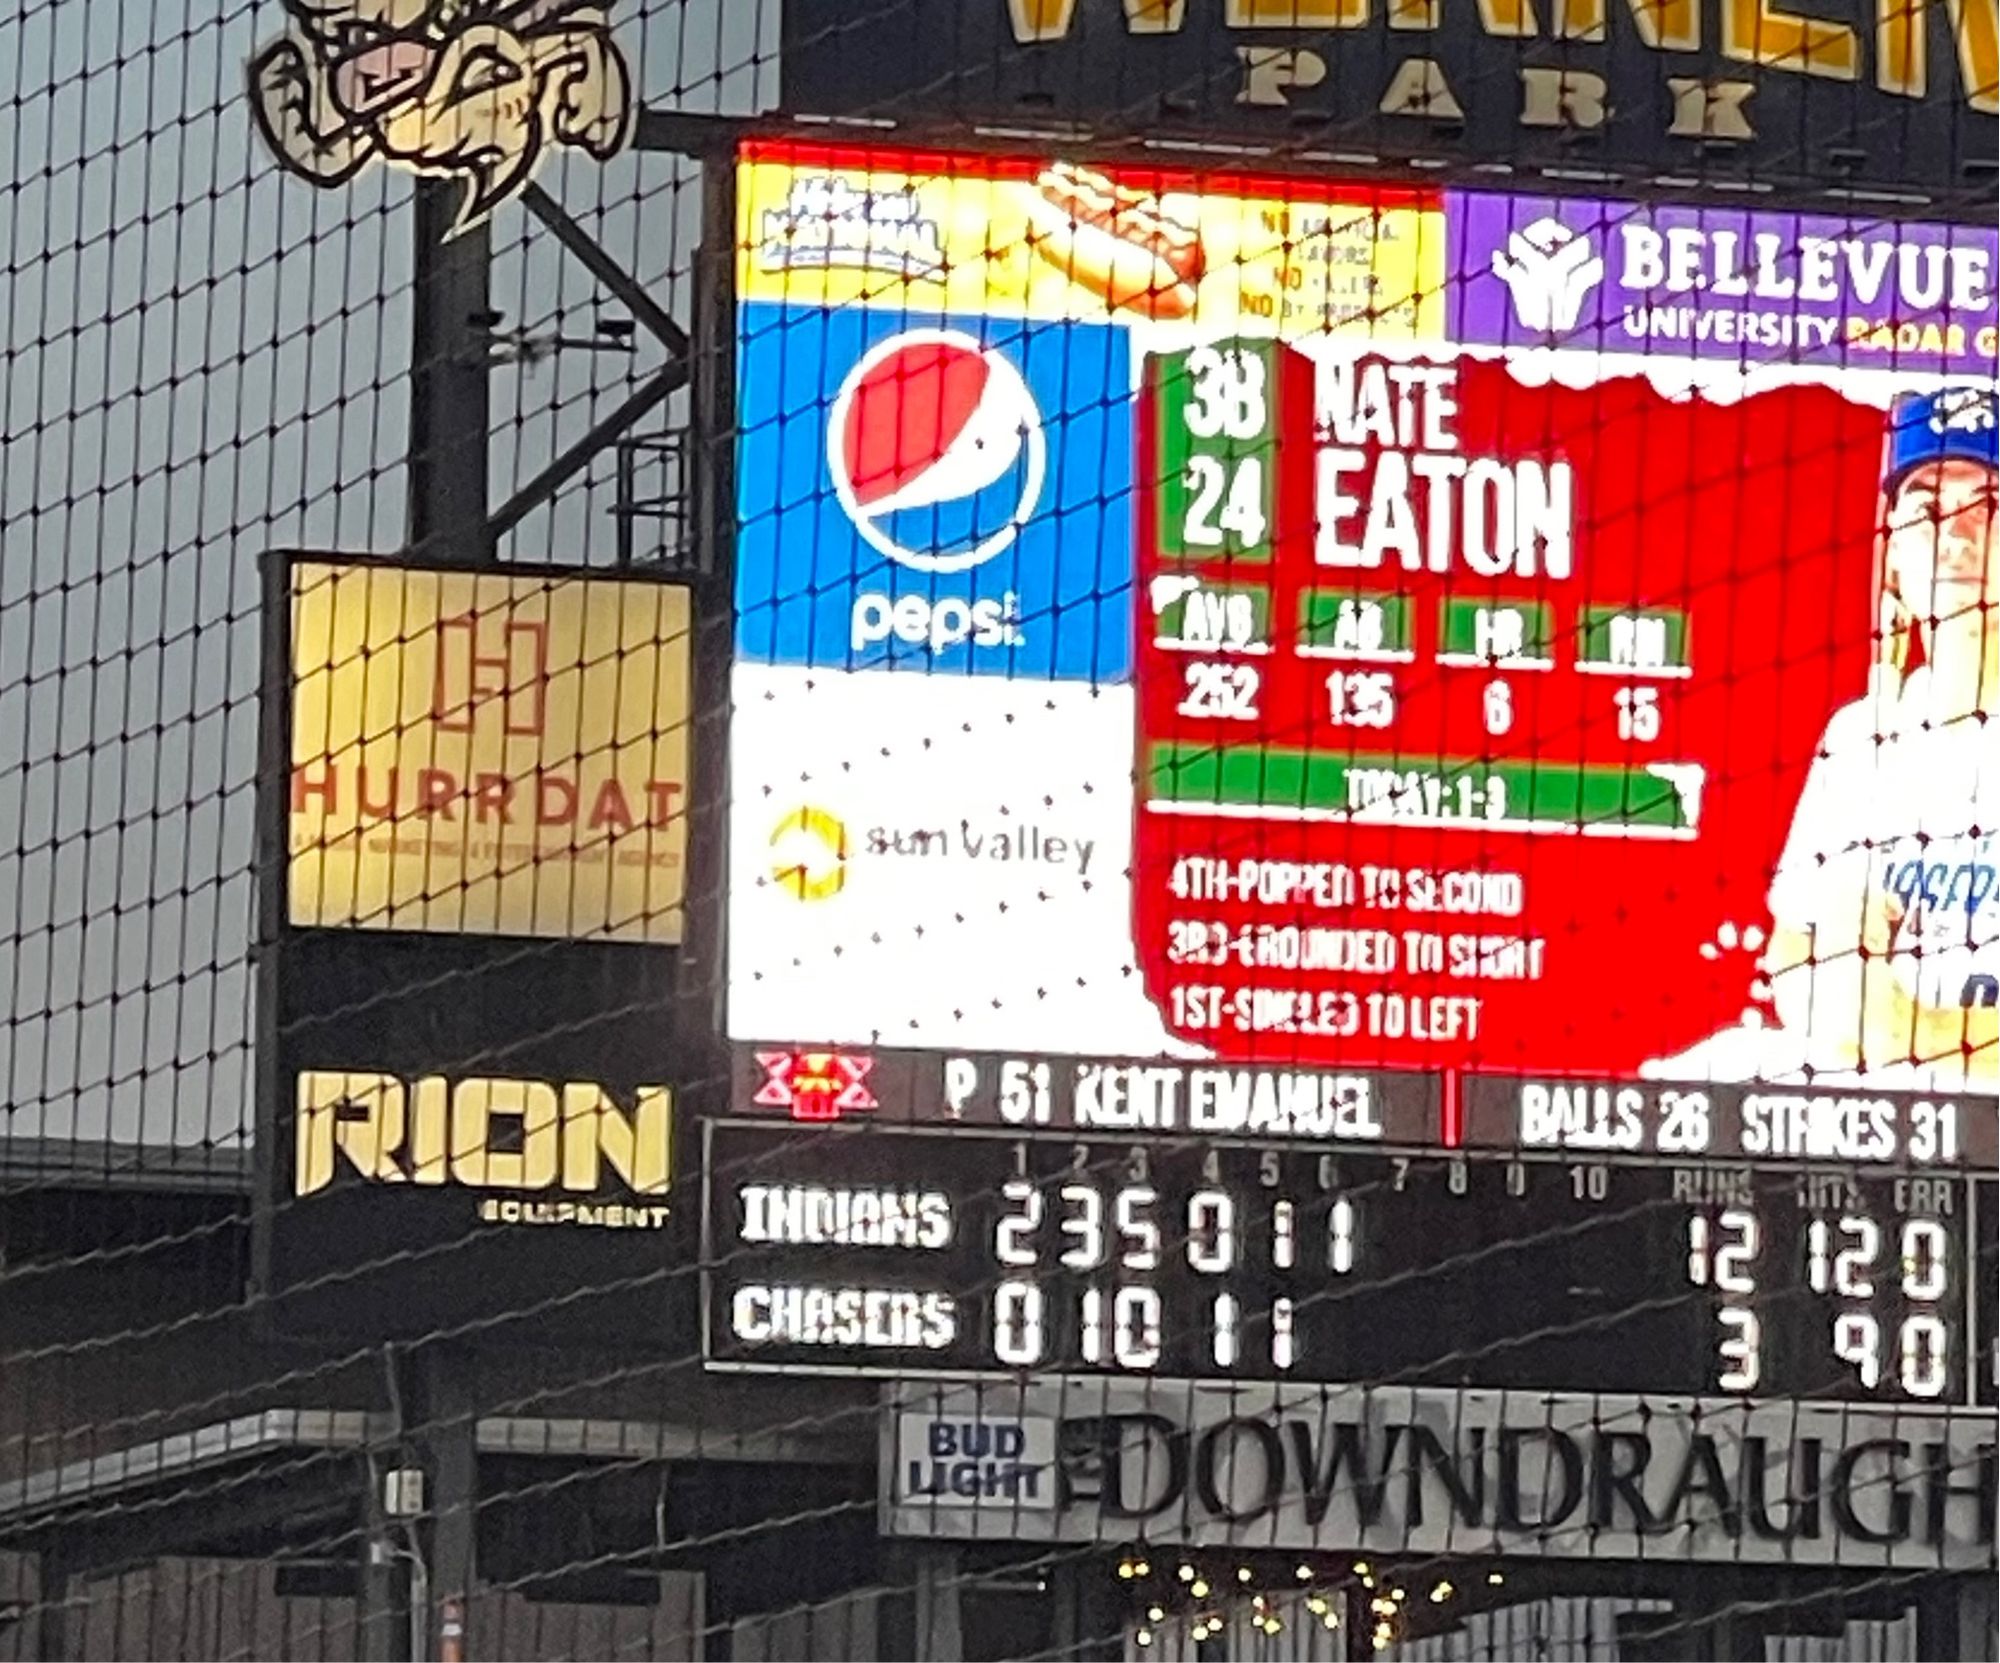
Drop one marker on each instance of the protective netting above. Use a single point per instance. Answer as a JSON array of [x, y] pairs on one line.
[[998, 830]]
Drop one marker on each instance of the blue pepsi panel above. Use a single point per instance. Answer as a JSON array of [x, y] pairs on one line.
[[921, 492]]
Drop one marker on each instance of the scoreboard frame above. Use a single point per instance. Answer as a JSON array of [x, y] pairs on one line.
[[934, 1131]]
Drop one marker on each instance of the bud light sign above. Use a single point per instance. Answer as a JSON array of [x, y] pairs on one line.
[[975, 1460]]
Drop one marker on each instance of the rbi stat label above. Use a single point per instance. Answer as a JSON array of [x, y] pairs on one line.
[[1423, 1470]]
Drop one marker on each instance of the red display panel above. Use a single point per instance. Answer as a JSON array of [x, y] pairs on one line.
[[1474, 708]]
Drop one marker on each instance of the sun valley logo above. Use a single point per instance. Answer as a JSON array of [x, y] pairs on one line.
[[1549, 271], [811, 848], [470, 89]]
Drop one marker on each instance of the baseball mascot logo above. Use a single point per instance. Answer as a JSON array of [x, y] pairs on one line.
[[936, 450], [473, 90]]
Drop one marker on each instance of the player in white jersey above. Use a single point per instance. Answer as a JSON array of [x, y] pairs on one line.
[[1884, 956], [1886, 909]]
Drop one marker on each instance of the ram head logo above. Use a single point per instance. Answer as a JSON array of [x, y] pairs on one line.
[[469, 89]]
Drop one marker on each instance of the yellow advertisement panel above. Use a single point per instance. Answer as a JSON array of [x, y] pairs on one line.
[[1048, 239], [486, 753]]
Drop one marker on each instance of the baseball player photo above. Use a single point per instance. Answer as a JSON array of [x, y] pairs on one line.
[[1884, 954]]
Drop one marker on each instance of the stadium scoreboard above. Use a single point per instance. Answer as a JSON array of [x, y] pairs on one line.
[[895, 1212], [1275, 726]]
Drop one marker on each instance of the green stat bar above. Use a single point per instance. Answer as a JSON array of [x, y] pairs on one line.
[[1588, 799]]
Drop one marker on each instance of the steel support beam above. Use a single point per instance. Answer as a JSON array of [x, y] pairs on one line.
[[450, 404], [51, 1607], [590, 255], [684, 133], [575, 458]]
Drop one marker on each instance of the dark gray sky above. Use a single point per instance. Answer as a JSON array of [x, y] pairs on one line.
[[205, 359]]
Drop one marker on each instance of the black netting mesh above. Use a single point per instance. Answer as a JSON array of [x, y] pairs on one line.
[[998, 829]]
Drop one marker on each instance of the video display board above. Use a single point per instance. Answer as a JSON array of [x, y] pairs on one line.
[[1285, 622]]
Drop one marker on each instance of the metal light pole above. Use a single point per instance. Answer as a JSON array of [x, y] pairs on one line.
[[450, 428]]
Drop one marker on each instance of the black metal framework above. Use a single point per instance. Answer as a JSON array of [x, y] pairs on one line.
[[452, 522]]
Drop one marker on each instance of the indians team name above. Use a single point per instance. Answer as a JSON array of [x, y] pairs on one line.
[[824, 1215], [1392, 484]]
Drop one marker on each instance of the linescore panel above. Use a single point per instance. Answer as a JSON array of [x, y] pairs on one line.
[[896, 1211], [836, 1247]]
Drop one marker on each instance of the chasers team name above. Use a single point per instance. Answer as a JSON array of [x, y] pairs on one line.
[[872, 1319]]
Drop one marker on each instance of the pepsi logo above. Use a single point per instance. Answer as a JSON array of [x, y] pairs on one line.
[[936, 450]]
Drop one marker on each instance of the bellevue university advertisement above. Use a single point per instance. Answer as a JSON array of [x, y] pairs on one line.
[[1264, 619]]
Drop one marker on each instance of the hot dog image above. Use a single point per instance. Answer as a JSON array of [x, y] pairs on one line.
[[1118, 243]]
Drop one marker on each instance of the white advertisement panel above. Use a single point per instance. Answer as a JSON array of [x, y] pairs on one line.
[[962, 827]]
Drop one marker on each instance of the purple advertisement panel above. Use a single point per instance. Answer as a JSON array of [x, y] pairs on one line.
[[1859, 292]]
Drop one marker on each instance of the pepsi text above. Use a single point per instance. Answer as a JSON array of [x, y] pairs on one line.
[[937, 625]]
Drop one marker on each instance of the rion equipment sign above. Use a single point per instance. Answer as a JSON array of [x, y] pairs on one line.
[[509, 1207], [533, 1151], [473, 799], [1858, 91], [1423, 1471]]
